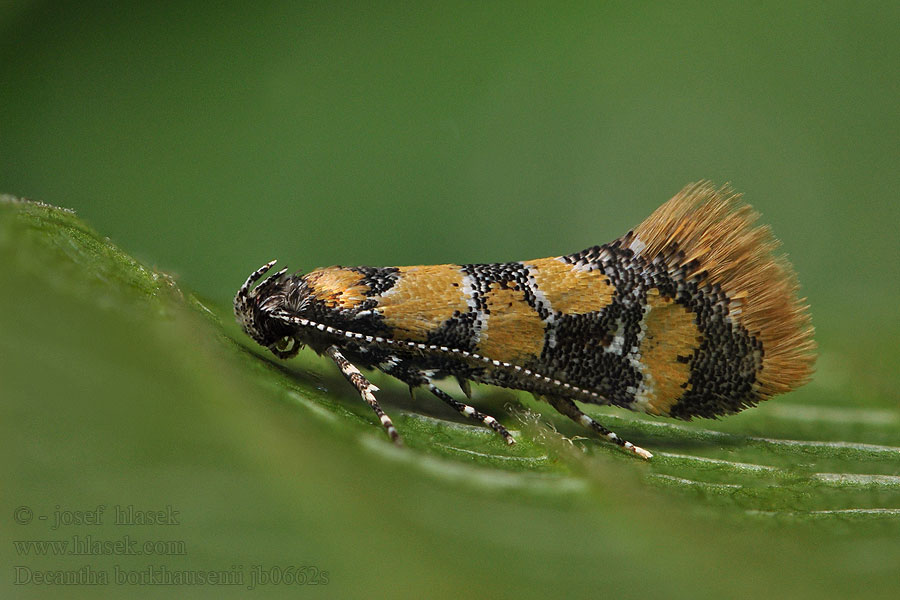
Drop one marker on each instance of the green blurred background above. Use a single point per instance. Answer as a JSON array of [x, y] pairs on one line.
[[205, 140]]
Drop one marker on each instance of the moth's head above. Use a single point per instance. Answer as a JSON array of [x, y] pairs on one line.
[[262, 312]]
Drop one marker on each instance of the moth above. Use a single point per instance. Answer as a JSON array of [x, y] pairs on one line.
[[690, 314]]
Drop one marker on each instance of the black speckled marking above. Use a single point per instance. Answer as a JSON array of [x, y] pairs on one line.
[[724, 368], [378, 279], [513, 275], [457, 332]]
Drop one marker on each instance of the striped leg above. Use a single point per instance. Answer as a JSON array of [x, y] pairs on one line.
[[364, 388], [471, 412], [568, 408]]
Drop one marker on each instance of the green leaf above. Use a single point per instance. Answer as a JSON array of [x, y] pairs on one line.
[[120, 387]]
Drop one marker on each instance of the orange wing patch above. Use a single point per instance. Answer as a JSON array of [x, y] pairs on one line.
[[671, 331], [569, 290], [515, 331], [422, 299], [337, 287]]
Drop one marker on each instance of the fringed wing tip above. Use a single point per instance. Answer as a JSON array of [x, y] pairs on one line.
[[710, 234]]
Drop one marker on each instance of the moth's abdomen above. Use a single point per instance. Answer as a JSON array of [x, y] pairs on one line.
[[688, 315], [659, 343], [590, 320]]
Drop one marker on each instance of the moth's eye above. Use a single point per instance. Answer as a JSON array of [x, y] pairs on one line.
[[285, 344]]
